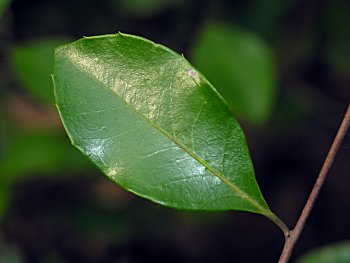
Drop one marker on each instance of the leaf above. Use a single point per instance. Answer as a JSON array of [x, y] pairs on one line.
[[334, 253], [153, 124], [35, 153], [32, 63], [242, 68], [43, 152]]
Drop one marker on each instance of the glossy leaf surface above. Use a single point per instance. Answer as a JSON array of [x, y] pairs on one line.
[[241, 66], [154, 125]]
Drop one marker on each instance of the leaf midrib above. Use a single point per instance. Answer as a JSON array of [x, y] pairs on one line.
[[233, 186]]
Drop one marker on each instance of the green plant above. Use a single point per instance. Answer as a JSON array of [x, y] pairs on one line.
[[34, 149], [229, 57], [335, 253], [155, 126]]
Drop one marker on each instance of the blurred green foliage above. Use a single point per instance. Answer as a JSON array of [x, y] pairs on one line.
[[338, 37], [33, 64], [241, 66], [141, 8], [10, 255], [3, 6], [335, 253], [39, 152], [36, 153]]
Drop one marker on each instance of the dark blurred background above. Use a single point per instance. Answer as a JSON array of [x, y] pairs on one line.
[[282, 65]]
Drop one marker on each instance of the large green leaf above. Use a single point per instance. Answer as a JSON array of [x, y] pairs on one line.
[[241, 66], [334, 253], [154, 125]]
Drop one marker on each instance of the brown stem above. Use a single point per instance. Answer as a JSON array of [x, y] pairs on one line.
[[294, 234], [280, 224]]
